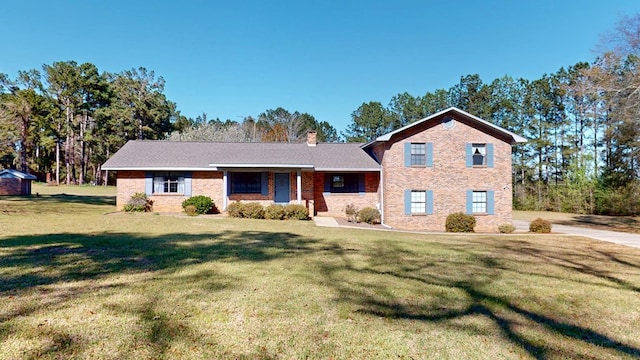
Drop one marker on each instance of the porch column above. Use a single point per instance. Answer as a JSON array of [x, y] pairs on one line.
[[299, 186], [224, 190]]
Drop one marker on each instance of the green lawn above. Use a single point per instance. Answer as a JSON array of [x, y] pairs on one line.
[[80, 281]]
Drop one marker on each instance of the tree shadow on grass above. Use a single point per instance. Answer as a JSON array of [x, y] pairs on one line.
[[33, 260], [461, 284]]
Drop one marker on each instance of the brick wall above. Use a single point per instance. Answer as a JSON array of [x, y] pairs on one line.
[[127, 184], [10, 186], [449, 178], [207, 183]]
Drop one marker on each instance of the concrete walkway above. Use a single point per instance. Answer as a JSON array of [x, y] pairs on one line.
[[621, 238], [325, 221]]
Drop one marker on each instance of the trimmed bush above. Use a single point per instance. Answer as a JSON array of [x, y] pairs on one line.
[[296, 212], [274, 212], [369, 215], [460, 222], [252, 210], [191, 210], [203, 204], [506, 228], [139, 202], [352, 213], [540, 226], [235, 209]]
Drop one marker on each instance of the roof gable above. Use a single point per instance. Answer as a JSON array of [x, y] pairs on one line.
[[483, 124]]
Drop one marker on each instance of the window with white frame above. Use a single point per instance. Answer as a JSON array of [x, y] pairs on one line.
[[418, 154], [479, 202], [479, 154], [418, 202], [168, 183]]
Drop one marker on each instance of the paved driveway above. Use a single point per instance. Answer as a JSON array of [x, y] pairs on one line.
[[604, 235]]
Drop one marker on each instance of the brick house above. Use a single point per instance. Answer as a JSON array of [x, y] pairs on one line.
[[448, 162], [14, 182]]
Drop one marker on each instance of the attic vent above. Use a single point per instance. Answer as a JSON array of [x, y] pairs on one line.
[[448, 123]]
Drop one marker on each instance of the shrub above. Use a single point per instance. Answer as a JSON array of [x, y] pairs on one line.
[[253, 210], [506, 228], [274, 212], [296, 212], [235, 209], [203, 204], [352, 213], [191, 210], [139, 202], [540, 226], [369, 215], [460, 222]]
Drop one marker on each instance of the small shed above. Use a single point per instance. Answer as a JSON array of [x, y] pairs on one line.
[[14, 182]]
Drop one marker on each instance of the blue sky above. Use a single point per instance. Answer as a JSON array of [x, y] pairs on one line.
[[232, 59]]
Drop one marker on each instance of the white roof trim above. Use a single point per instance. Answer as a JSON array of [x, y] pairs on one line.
[[158, 168], [386, 137], [287, 166], [348, 169]]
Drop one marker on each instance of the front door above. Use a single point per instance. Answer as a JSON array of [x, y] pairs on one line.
[[282, 188]]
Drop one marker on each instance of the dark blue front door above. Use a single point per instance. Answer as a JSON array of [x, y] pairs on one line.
[[282, 188]]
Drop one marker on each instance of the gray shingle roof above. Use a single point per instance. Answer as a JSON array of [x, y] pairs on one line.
[[179, 155]]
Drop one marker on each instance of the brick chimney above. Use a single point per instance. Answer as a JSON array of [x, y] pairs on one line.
[[311, 138]]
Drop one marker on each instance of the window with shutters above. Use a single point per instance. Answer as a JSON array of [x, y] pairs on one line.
[[479, 202], [246, 183], [418, 202], [168, 183], [418, 154], [344, 183], [479, 154]]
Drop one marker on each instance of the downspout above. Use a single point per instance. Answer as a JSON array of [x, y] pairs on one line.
[[382, 198], [224, 190], [299, 186]]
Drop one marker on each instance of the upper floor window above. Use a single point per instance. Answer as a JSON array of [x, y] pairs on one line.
[[168, 183], [479, 154], [418, 154]]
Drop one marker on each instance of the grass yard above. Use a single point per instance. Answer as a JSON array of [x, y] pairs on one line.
[[80, 281]]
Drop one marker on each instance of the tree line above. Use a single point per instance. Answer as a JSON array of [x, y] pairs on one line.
[[62, 122], [583, 153]]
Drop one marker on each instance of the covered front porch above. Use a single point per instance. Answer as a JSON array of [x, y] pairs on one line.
[[279, 185]]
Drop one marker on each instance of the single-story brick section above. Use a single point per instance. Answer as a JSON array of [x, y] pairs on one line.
[[448, 162], [14, 182]]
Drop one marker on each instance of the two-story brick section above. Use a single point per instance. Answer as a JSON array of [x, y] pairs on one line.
[[449, 162]]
